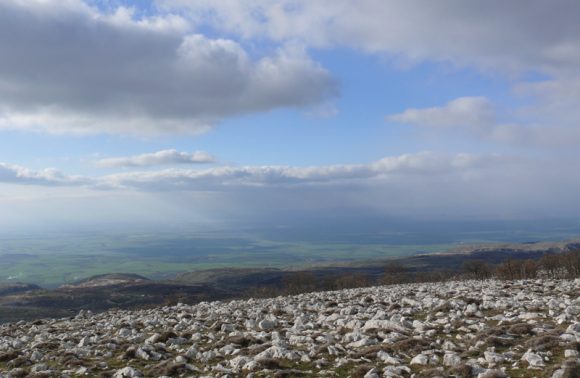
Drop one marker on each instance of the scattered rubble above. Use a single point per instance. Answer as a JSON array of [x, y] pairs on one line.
[[462, 329]]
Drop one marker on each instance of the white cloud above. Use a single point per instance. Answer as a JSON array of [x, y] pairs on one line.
[[14, 174], [554, 101], [473, 112], [420, 164], [69, 68], [164, 157], [479, 117], [490, 34], [411, 185], [470, 116]]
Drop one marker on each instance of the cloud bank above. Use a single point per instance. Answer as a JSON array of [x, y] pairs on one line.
[[69, 68], [423, 185], [224, 177], [228, 177], [489, 34]]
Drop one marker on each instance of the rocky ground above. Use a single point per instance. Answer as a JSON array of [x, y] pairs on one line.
[[463, 329]]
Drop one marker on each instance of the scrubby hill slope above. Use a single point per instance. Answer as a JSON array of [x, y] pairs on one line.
[[102, 280], [15, 288], [469, 328], [98, 293]]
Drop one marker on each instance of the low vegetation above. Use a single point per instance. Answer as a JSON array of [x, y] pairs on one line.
[[564, 265]]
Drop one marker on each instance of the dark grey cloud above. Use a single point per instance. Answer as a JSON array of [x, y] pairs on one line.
[[67, 67]]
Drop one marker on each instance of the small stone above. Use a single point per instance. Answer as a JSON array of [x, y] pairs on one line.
[[36, 356], [127, 372], [373, 373], [471, 309], [533, 359], [573, 310], [267, 325], [493, 358], [569, 353], [451, 359], [387, 358], [81, 371], [420, 359], [492, 373]]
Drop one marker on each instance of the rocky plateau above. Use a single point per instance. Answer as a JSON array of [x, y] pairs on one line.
[[480, 329]]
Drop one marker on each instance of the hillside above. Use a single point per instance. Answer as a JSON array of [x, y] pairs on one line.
[[97, 294], [468, 328], [15, 288]]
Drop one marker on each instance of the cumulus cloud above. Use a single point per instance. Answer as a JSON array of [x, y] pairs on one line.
[[491, 34], [68, 67], [14, 174], [164, 157], [480, 118]]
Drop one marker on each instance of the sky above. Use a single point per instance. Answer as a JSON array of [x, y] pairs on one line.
[[213, 112]]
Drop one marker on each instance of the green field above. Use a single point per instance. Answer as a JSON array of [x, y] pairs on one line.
[[51, 260], [56, 260]]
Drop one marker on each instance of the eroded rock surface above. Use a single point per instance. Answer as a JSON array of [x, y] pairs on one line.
[[462, 329]]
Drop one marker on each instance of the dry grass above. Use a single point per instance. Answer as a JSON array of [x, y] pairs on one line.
[[541, 343], [520, 329]]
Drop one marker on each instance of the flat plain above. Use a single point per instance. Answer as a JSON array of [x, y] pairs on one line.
[[54, 259]]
